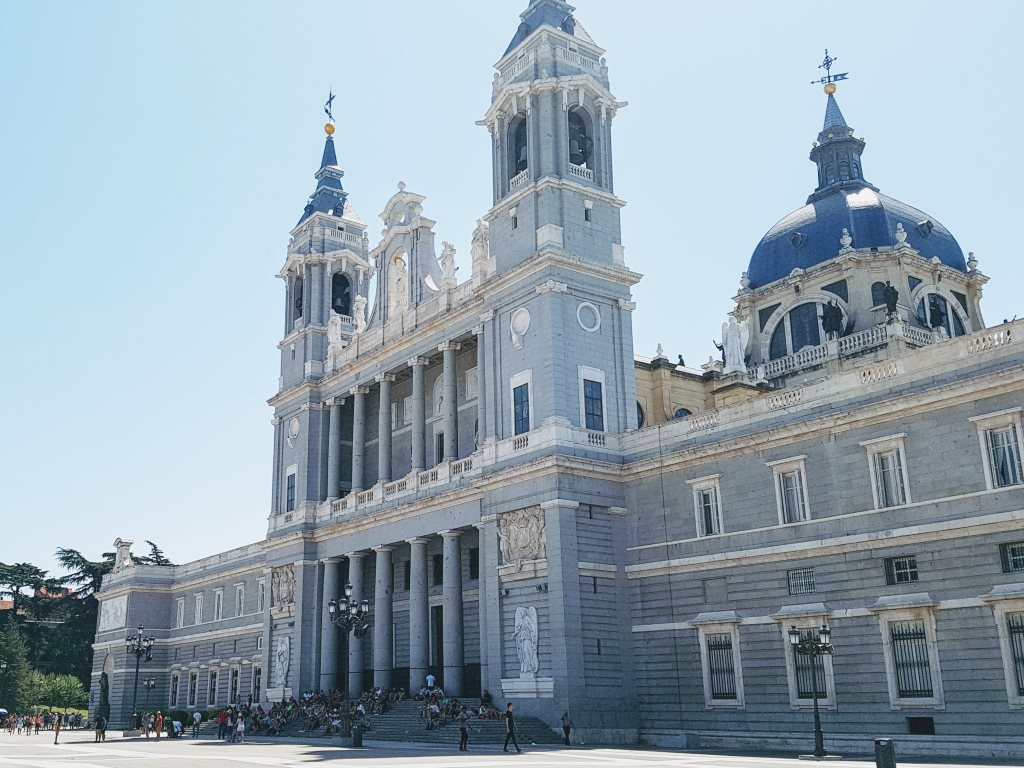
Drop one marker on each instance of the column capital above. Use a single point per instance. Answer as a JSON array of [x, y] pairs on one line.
[[413, 361], [559, 504], [444, 346], [478, 330], [357, 555], [417, 540], [487, 316], [276, 421], [360, 390], [381, 377], [335, 402], [450, 534], [331, 560], [383, 548]]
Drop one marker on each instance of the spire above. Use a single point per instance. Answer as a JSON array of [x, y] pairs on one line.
[[554, 13], [836, 152], [329, 196]]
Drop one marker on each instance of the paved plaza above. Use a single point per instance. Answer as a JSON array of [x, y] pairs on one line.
[[77, 750]]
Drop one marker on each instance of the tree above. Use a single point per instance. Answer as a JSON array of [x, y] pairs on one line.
[[64, 692], [155, 557], [17, 577], [86, 576], [14, 676]]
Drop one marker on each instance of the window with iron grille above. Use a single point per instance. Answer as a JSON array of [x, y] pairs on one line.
[[801, 581], [1015, 625], [910, 659], [1004, 454], [521, 407], [593, 407], [901, 570], [1012, 556], [257, 682], [889, 479], [721, 670], [233, 690], [211, 689], [174, 689], [810, 670]]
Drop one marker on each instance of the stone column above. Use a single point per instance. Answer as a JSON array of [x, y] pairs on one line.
[[355, 644], [452, 596], [316, 295], [383, 629], [275, 482], [419, 415], [419, 615], [481, 408], [384, 429], [358, 436], [334, 450], [307, 294], [450, 406], [328, 632]]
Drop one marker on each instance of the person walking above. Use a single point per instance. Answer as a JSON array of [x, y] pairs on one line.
[[240, 729], [56, 730], [567, 726], [222, 724], [158, 724], [197, 718], [101, 728], [463, 730], [510, 729]]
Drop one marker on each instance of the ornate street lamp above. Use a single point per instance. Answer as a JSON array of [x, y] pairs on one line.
[[138, 646], [149, 684], [814, 648], [348, 614]]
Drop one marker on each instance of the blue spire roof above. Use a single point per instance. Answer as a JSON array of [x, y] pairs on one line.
[[554, 13], [329, 196], [833, 116]]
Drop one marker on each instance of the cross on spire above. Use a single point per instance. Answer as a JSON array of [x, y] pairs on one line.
[[826, 64], [329, 105]]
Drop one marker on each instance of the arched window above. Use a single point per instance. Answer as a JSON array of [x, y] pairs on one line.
[[830, 173], [778, 348], [682, 413], [933, 311], [639, 416], [581, 144], [297, 298], [801, 327], [856, 169], [844, 170], [877, 294], [520, 150], [341, 294]]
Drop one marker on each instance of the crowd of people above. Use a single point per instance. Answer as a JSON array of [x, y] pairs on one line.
[[42, 721]]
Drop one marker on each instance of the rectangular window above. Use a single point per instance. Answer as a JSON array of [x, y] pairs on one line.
[[707, 503], [801, 581], [218, 605], [290, 497], [199, 609], [474, 563], [1004, 456], [233, 691], [257, 682], [472, 384], [407, 576], [793, 503], [810, 670], [179, 620], [259, 643], [211, 690], [1015, 632], [407, 411], [901, 570], [910, 660], [1012, 556], [239, 599], [593, 405], [437, 563], [439, 447], [721, 670], [889, 479], [261, 595], [175, 681], [521, 409]]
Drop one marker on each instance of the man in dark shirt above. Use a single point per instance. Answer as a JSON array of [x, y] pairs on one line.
[[510, 729]]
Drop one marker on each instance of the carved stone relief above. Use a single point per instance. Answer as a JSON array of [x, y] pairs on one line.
[[282, 586], [113, 613], [521, 536]]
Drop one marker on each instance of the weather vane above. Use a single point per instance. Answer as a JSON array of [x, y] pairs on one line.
[[330, 103], [826, 64]]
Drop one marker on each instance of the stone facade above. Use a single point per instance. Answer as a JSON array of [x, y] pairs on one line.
[[531, 510]]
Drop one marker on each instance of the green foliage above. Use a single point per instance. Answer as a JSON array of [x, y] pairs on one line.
[[155, 557], [14, 689], [63, 692]]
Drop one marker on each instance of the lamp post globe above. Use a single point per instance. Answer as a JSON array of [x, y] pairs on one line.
[[815, 649], [138, 645]]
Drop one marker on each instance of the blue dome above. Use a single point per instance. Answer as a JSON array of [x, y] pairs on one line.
[[810, 235]]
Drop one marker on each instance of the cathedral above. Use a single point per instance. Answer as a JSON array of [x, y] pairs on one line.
[[522, 505]]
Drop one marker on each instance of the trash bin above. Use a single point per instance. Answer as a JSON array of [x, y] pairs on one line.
[[885, 753], [357, 735]]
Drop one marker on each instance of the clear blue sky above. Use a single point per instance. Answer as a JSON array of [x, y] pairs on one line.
[[155, 156]]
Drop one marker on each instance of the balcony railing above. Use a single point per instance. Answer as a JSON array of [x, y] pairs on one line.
[[577, 59], [582, 171], [519, 179]]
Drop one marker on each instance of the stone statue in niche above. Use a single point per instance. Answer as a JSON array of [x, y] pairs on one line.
[[521, 536], [525, 635], [936, 317], [335, 344], [891, 296], [447, 265], [734, 340], [831, 319], [360, 313], [282, 586], [103, 708], [479, 250], [398, 286], [282, 660]]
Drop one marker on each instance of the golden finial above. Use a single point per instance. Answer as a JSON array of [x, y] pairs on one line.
[[830, 88], [329, 129]]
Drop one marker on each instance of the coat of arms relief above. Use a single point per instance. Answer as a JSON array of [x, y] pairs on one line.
[[521, 536]]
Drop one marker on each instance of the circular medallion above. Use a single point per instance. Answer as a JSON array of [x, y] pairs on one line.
[[293, 428], [521, 321], [589, 317]]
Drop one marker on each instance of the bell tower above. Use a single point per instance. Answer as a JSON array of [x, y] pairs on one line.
[[561, 289], [550, 121]]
